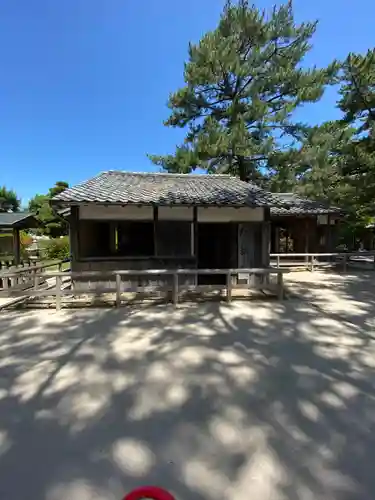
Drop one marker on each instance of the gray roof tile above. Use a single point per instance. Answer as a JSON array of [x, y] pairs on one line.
[[293, 204], [166, 189], [14, 219]]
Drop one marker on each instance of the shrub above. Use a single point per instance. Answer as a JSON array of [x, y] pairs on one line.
[[57, 248], [25, 239]]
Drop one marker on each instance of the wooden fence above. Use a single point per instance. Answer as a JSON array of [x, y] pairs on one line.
[[121, 286], [313, 260], [26, 274]]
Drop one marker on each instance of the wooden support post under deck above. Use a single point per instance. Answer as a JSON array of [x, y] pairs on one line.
[[16, 246]]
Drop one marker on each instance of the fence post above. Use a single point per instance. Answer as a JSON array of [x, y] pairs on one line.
[[280, 286], [312, 263], [60, 267], [278, 261], [58, 293], [229, 286], [118, 290], [175, 289], [36, 280]]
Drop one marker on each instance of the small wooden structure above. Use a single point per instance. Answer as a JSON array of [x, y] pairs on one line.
[[13, 222], [303, 226], [133, 221]]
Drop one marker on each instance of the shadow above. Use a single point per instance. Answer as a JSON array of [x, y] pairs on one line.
[[244, 400]]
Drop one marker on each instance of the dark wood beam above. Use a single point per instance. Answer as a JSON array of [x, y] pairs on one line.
[[16, 246], [195, 231], [156, 219]]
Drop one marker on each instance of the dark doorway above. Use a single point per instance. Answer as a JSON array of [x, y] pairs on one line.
[[214, 250]]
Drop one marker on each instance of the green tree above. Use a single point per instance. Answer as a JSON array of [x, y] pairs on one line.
[[357, 102], [51, 224], [8, 200], [243, 81]]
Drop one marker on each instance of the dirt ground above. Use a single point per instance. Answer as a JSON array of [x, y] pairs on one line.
[[246, 401]]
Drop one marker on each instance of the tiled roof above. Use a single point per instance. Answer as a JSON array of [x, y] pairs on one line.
[[167, 189], [17, 219], [293, 204]]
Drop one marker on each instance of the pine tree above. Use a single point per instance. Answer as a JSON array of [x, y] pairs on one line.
[[358, 105], [243, 81], [50, 223], [8, 200]]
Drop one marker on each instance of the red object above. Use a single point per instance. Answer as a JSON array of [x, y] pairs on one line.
[[151, 492]]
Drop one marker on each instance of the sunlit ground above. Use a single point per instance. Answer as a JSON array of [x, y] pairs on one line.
[[247, 401]]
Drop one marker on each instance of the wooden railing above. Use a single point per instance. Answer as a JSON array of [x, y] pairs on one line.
[[22, 276], [312, 260], [175, 288]]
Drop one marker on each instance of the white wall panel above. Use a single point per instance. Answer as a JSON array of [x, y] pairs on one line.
[[115, 212], [228, 214]]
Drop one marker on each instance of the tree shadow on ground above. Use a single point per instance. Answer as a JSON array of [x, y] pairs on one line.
[[248, 400]]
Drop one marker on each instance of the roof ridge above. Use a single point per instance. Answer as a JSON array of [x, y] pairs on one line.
[[169, 174]]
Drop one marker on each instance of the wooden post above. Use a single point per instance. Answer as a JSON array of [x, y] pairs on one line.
[[229, 286], [175, 289], [307, 240], [5, 282], [312, 263], [118, 290], [277, 239], [155, 220], [16, 246], [278, 261], [329, 234], [58, 293], [36, 280], [266, 239], [280, 286], [195, 231]]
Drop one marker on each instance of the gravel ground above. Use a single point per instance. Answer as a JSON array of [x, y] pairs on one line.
[[252, 400]]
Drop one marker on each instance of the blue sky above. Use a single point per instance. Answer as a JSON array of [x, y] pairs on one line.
[[84, 83]]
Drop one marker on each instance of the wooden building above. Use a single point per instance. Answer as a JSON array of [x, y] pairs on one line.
[[11, 223], [121, 220], [300, 225]]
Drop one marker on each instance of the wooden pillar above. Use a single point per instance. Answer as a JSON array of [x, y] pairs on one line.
[[16, 246], [277, 239], [307, 246], [195, 241], [113, 238], [156, 218], [266, 238], [329, 234], [307, 229], [195, 230], [74, 235]]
